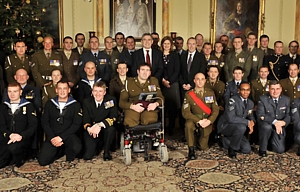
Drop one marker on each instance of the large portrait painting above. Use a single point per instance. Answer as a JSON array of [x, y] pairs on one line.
[[236, 18], [132, 17]]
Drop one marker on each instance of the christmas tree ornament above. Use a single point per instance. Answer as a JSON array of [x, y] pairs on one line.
[[38, 32], [28, 1], [7, 6], [40, 39], [17, 32], [44, 10], [36, 18], [6, 22]]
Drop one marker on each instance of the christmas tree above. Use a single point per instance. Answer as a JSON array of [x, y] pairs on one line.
[[22, 20]]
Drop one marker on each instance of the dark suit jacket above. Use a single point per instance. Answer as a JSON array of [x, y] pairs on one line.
[[102, 64], [236, 113], [173, 68], [70, 66], [295, 114], [291, 60], [157, 62], [198, 65], [126, 57], [231, 89]]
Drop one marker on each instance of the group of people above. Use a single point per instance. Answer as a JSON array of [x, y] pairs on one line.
[[72, 101]]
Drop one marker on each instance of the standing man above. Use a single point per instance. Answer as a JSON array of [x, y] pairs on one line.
[[237, 118], [224, 39], [148, 55], [192, 62], [200, 109], [18, 124], [100, 113], [291, 85], [126, 55], [100, 58], [113, 54], [70, 61], [17, 61], [264, 43], [119, 38], [136, 111], [293, 56], [61, 119], [256, 55], [278, 63], [237, 58], [206, 50], [179, 45], [233, 86], [43, 63], [260, 86], [273, 116], [49, 91], [155, 37], [217, 53], [80, 40], [199, 41]]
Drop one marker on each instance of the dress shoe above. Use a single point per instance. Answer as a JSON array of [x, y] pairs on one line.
[[107, 156], [262, 153], [298, 152], [20, 163], [191, 155], [231, 153]]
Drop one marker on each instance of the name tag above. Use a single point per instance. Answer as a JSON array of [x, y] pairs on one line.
[[151, 88], [254, 58], [75, 62], [55, 63], [242, 60], [102, 61], [109, 104], [209, 99]]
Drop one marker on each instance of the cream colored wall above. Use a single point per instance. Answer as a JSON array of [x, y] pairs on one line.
[[187, 18]]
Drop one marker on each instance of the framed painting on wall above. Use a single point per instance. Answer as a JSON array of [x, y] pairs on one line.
[[236, 18], [132, 17]]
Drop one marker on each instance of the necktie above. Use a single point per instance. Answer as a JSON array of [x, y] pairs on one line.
[[249, 49], [48, 55], [276, 102], [98, 105], [245, 103], [22, 59], [293, 81], [95, 54], [238, 84], [189, 63], [148, 57], [80, 50], [201, 94], [68, 54]]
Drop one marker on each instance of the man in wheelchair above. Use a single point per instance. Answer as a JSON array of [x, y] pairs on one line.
[[139, 110]]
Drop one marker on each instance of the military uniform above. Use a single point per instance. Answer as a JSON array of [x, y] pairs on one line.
[[106, 113], [85, 89], [49, 92], [218, 87], [130, 95], [70, 67], [278, 66], [266, 113], [257, 57], [243, 60], [114, 60], [42, 66], [293, 59], [13, 63], [268, 51], [193, 113], [102, 63], [290, 90], [220, 62], [231, 89], [233, 123], [24, 122], [115, 87], [63, 123], [295, 115], [257, 89]]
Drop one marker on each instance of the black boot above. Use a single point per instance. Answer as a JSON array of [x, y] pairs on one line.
[[231, 153], [107, 156], [191, 153]]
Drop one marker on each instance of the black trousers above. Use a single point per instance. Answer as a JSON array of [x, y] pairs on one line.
[[49, 153], [91, 144], [14, 151]]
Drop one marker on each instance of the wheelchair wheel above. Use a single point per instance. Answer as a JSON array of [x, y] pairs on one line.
[[164, 155], [127, 156], [122, 143]]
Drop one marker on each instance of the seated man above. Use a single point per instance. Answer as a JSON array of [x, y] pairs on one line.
[[49, 89], [18, 123], [238, 115], [273, 116], [100, 112], [200, 109], [85, 86], [231, 88], [61, 119], [135, 112], [295, 115]]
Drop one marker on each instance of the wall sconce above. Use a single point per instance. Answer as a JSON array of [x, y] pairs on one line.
[[173, 35], [88, 0], [92, 33]]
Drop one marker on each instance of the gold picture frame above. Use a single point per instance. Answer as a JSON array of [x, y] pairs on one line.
[[236, 18]]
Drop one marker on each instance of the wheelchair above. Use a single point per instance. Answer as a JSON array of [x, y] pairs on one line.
[[141, 138]]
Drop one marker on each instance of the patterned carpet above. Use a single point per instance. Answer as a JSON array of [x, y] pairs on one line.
[[212, 171]]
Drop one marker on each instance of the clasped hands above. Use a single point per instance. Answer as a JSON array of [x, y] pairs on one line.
[[186, 87], [204, 123], [14, 137], [138, 107], [278, 125], [94, 130], [57, 141]]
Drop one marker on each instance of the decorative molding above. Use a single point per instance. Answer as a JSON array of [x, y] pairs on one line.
[[61, 21], [190, 17], [165, 18], [74, 17], [280, 19], [100, 20], [297, 23]]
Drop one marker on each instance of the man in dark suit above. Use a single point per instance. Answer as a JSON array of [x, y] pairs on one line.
[[237, 117], [273, 116], [113, 55], [100, 58], [100, 113], [148, 55], [126, 55], [192, 62], [119, 38], [80, 39], [264, 43], [179, 45], [292, 56]]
